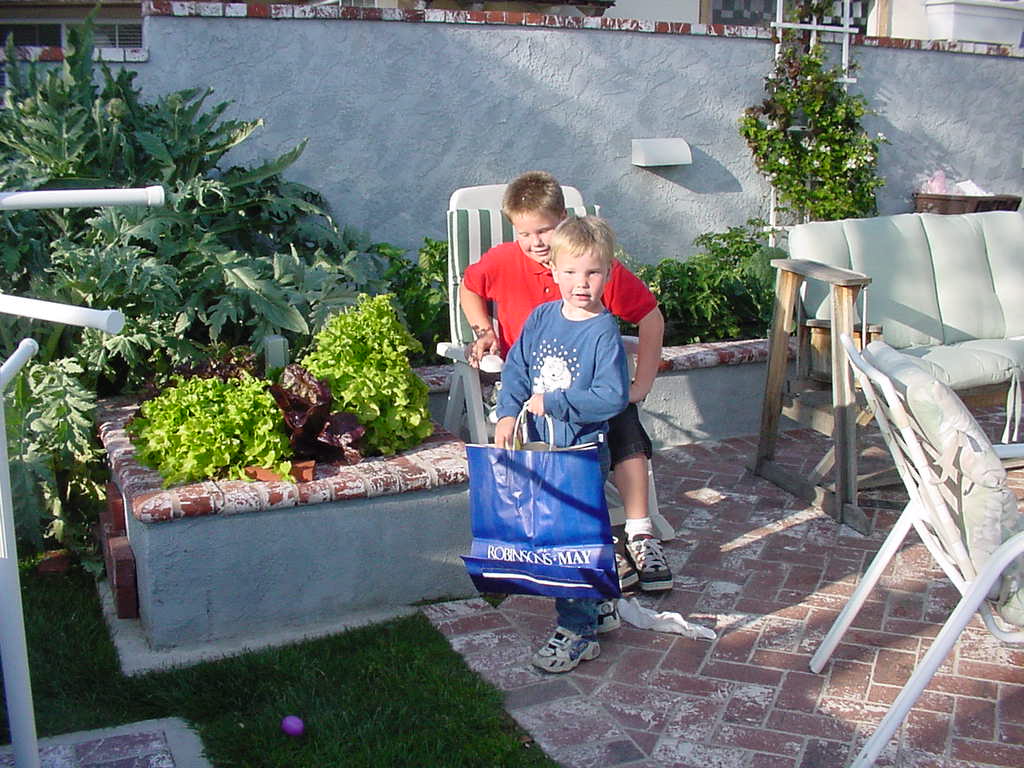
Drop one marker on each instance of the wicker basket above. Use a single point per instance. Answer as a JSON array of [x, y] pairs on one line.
[[926, 202]]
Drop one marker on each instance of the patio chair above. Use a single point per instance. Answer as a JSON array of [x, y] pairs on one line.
[[476, 224], [943, 288], [959, 505]]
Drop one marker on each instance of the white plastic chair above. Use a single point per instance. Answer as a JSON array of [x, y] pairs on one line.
[[475, 225], [959, 505]]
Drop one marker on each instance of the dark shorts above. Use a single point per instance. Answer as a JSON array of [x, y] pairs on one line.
[[627, 436]]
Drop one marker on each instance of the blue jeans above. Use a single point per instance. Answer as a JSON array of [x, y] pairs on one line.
[[578, 615]]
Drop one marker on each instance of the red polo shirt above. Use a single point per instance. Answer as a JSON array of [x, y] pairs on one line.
[[516, 284]]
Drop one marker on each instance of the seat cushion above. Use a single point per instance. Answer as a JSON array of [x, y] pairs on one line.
[[888, 249], [969, 305], [967, 365], [936, 279], [1012, 349], [1004, 242], [986, 511]]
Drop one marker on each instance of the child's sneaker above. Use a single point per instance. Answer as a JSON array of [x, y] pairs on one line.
[[627, 573], [649, 561], [607, 617], [564, 651]]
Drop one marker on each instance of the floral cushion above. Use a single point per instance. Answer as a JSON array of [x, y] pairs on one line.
[[988, 512]]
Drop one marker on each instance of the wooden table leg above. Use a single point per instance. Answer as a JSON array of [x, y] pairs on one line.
[[786, 291], [844, 434]]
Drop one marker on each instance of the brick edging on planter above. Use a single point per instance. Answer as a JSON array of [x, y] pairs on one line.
[[437, 462], [284, 11], [685, 358]]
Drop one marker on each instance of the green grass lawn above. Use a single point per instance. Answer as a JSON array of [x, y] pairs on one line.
[[394, 694]]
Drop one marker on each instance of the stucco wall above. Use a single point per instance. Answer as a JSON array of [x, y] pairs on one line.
[[399, 114]]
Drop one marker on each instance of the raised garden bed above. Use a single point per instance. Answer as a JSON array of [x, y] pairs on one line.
[[235, 560]]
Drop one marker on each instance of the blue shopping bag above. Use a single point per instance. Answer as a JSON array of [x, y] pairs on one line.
[[540, 523]]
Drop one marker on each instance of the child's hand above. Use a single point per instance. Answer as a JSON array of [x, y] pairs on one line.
[[535, 404], [503, 432], [636, 393]]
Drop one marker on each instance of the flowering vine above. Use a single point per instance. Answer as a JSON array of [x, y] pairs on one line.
[[806, 136]]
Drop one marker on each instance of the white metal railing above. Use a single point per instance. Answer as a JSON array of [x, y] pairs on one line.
[[13, 649], [80, 198]]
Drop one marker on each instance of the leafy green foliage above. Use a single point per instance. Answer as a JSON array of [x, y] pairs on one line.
[[211, 427], [421, 295], [235, 254], [53, 459], [806, 136], [723, 292], [363, 355]]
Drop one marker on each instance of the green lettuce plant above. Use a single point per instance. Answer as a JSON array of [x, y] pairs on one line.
[[203, 428], [363, 355]]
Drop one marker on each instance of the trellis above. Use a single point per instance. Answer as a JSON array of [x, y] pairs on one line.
[[846, 29]]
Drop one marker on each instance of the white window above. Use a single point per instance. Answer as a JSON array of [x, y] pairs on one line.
[[120, 35], [32, 34], [105, 35]]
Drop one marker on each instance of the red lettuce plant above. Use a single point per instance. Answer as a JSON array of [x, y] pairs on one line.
[[314, 430]]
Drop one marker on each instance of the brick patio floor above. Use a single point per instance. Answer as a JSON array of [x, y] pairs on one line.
[[769, 575]]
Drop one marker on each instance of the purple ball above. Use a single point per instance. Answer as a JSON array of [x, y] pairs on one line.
[[293, 726]]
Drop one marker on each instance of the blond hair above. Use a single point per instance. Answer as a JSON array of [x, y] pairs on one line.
[[577, 236], [534, 192]]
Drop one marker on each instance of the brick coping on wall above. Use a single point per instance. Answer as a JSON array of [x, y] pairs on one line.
[[683, 358], [272, 11], [282, 11], [438, 462]]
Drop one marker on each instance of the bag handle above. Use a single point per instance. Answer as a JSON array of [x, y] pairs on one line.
[[520, 435]]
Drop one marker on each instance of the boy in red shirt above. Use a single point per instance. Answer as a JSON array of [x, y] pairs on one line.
[[517, 277]]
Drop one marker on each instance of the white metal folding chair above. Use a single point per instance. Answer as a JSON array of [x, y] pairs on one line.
[[475, 225], [959, 505]]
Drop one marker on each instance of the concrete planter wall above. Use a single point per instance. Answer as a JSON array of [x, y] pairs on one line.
[[234, 560], [207, 579]]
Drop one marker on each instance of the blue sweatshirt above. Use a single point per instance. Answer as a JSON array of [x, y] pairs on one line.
[[579, 365]]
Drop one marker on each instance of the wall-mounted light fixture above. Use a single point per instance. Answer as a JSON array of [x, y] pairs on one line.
[[651, 152]]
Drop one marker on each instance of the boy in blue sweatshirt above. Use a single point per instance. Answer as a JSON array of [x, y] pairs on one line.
[[568, 363]]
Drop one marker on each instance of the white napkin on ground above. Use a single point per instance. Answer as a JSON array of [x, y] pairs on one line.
[[664, 621]]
